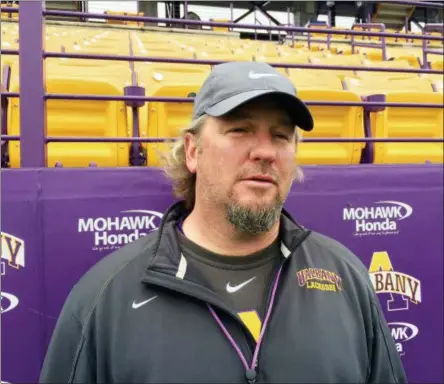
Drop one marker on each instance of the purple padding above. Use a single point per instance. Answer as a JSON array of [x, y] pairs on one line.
[[368, 208], [22, 279]]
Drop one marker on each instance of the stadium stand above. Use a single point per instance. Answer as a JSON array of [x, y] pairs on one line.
[[403, 123], [108, 118], [368, 182]]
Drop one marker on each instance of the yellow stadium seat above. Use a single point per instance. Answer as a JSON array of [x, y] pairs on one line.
[[272, 60], [158, 46], [82, 118], [396, 122], [207, 52], [269, 54], [243, 54], [435, 80], [9, 42], [106, 48], [13, 63], [220, 29], [330, 121], [438, 83], [295, 58], [124, 22], [315, 79], [374, 54], [338, 36], [145, 45], [173, 52], [413, 60], [410, 54], [314, 54], [366, 38], [159, 119], [338, 60], [436, 63], [267, 49], [344, 48], [378, 76], [222, 56], [295, 45], [11, 60], [150, 40], [367, 86]]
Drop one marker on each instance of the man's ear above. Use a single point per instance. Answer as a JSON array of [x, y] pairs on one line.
[[191, 151]]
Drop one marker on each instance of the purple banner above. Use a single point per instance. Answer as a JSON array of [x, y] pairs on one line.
[[391, 217], [22, 277], [57, 223]]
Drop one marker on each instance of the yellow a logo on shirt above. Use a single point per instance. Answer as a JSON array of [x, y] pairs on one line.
[[253, 322]]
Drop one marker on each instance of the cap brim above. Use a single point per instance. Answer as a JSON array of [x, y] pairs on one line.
[[298, 111]]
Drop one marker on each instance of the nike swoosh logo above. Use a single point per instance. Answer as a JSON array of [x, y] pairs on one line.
[[138, 305], [231, 289], [255, 76]]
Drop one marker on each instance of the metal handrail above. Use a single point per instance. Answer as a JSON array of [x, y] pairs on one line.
[[168, 139], [221, 24], [425, 4], [310, 40], [381, 45], [11, 52], [33, 14], [66, 96], [156, 59], [425, 50], [9, 10], [226, 24]]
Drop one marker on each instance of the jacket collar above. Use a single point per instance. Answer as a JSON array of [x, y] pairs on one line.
[[167, 255]]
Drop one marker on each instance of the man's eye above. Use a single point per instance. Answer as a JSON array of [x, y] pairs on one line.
[[282, 136], [238, 130]]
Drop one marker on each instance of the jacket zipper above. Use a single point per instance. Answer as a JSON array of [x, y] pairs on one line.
[[207, 296], [281, 265], [160, 278]]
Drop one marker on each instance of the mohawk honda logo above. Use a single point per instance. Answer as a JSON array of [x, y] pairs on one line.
[[111, 233], [381, 219], [401, 333]]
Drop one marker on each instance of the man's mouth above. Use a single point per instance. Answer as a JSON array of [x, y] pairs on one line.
[[259, 178]]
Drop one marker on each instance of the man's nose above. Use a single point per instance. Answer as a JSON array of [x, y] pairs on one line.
[[263, 147]]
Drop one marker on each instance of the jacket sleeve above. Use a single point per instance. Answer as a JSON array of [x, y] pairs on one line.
[[68, 358], [385, 362]]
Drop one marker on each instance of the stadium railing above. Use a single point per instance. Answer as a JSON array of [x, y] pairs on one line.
[[31, 52]]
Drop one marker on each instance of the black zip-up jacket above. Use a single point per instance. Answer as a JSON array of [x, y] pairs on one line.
[[139, 316]]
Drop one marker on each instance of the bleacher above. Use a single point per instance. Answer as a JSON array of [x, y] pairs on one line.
[[63, 212], [107, 118]]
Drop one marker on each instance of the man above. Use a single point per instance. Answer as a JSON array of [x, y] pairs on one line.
[[230, 288]]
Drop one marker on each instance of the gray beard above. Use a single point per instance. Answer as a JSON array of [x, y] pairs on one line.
[[254, 221]]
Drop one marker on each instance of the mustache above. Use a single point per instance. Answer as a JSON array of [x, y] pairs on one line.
[[263, 169]]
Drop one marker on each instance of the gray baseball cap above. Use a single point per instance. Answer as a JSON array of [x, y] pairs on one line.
[[229, 85]]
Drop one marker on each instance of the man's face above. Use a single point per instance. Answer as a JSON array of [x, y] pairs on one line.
[[244, 163]]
